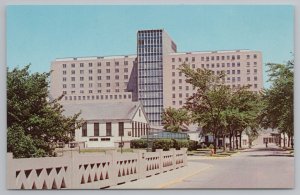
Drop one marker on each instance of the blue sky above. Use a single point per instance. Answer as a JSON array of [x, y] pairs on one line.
[[39, 34]]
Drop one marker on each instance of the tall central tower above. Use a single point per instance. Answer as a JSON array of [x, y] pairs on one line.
[[152, 45]]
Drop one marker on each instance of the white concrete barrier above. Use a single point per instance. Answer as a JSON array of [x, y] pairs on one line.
[[90, 171]]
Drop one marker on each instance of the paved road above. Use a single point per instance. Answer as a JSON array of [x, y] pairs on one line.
[[258, 167]]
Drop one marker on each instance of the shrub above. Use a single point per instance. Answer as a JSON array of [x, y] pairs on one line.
[[138, 143], [211, 146], [164, 144], [192, 145]]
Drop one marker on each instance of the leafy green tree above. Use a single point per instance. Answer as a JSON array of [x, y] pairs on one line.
[[34, 123], [209, 103], [175, 119], [279, 100]]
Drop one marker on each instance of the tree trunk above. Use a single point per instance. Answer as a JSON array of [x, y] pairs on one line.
[[236, 142], [230, 142], [292, 141], [284, 144], [224, 144], [215, 144], [289, 142], [240, 140]]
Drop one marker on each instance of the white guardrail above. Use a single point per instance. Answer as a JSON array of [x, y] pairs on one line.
[[90, 171]]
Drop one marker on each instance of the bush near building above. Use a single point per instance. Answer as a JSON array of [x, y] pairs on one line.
[[138, 143], [165, 144]]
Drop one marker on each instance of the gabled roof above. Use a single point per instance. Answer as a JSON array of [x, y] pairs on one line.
[[103, 111]]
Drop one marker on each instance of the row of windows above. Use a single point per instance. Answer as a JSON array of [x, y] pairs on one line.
[[90, 64], [98, 97], [223, 65], [81, 85], [99, 71], [207, 58], [99, 78], [138, 129], [233, 79], [98, 91]]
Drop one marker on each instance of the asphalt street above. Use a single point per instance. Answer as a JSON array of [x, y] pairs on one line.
[[259, 167]]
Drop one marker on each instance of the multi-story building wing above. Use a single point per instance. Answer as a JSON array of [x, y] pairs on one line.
[[152, 48], [241, 67], [152, 76], [94, 79]]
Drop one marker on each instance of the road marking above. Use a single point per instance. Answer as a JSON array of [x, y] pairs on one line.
[[182, 178]]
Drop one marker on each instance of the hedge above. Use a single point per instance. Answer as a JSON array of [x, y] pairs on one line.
[[138, 143]]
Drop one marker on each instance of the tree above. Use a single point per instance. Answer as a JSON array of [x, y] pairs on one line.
[[175, 119], [279, 100], [209, 102], [35, 124]]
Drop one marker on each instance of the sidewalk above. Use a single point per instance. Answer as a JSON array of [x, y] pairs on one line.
[[165, 179]]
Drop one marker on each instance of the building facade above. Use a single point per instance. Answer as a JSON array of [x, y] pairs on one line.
[[109, 124], [152, 76]]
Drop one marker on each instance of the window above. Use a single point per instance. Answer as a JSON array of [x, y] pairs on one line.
[[81, 78], [117, 63], [90, 64], [121, 128], [108, 129], [233, 71], [180, 95], [254, 56], [173, 67], [64, 65], [173, 59], [248, 78], [99, 70], [255, 71], [179, 59], [81, 71], [73, 85], [125, 76], [125, 62], [73, 65], [117, 77], [180, 80], [73, 72], [107, 63], [193, 66], [248, 56], [173, 95], [255, 85], [90, 84], [238, 57], [116, 70], [238, 71], [64, 79], [107, 84], [99, 78], [64, 72], [255, 78], [99, 64], [90, 71], [125, 69], [248, 71], [84, 129], [107, 77], [107, 70], [72, 78], [90, 78], [173, 74], [96, 128], [81, 65], [193, 59]]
